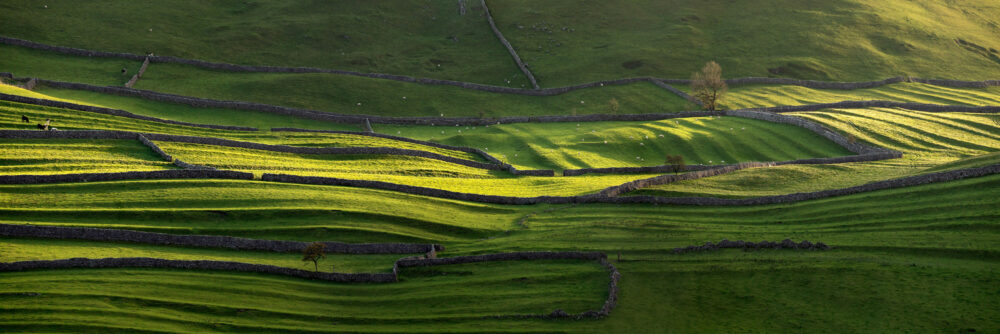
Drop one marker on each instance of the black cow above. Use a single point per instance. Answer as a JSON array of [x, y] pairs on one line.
[[41, 127], [25, 119]]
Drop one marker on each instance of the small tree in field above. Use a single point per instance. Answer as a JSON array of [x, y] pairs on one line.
[[707, 86], [676, 163], [314, 252]]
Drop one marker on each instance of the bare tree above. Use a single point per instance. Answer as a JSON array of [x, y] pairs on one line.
[[708, 86], [314, 252], [676, 163]]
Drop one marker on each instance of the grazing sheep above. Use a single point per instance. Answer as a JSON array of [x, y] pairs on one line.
[[124, 71], [25, 119]]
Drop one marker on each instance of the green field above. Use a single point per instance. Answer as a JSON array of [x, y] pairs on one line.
[[701, 140], [400, 38], [930, 142], [44, 156], [917, 259], [841, 40]]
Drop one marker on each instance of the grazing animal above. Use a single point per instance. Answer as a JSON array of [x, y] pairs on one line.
[[124, 70], [25, 119], [40, 127]]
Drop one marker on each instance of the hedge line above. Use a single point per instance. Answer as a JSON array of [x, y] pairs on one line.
[[210, 241]]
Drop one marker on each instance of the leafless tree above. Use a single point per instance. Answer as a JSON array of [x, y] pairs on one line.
[[708, 86]]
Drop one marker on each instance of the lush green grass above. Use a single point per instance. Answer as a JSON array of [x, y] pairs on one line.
[[930, 142], [41, 249], [340, 93], [449, 298], [183, 113], [896, 250], [778, 95], [255, 209], [353, 165], [701, 140], [65, 119], [46, 156], [400, 37], [845, 40]]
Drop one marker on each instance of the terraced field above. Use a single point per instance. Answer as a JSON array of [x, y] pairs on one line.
[[930, 142], [75, 156], [853, 219], [701, 140]]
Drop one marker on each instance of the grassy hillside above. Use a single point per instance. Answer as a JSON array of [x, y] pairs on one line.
[[65, 119], [701, 140], [421, 38], [565, 41], [336, 93], [21, 156], [896, 250]]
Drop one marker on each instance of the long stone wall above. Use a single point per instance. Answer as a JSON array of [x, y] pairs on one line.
[[750, 245], [360, 118], [100, 177], [209, 241], [510, 48], [112, 112], [145, 262], [490, 88]]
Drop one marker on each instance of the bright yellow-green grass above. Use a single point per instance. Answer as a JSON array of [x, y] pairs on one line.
[[930, 142], [65, 119], [17, 249], [258, 161], [65, 156], [701, 140], [412, 171], [754, 96]]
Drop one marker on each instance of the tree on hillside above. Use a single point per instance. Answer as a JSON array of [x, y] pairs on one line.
[[314, 252], [708, 86], [676, 163]]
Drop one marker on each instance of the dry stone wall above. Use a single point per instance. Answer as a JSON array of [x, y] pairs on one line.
[[100, 177], [209, 241], [155, 148], [489, 88], [510, 48], [145, 262], [112, 112], [749, 245]]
